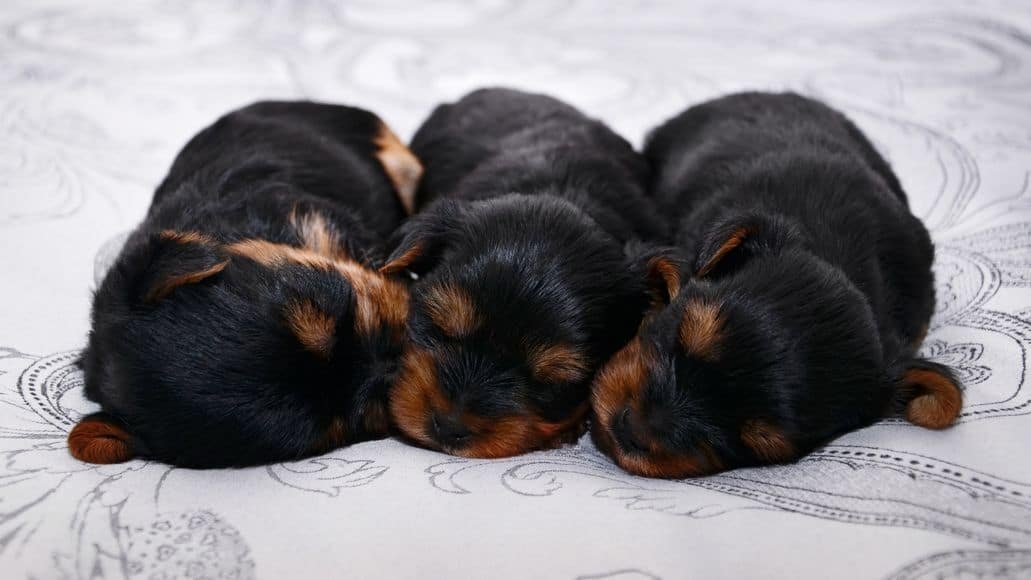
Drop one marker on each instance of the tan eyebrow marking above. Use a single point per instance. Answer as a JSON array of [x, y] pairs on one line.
[[452, 309], [314, 328], [701, 328], [558, 363]]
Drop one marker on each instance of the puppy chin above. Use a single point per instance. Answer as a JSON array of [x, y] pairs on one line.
[[655, 461], [521, 434]]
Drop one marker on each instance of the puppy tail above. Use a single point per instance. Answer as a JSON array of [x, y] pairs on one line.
[[927, 394], [100, 438]]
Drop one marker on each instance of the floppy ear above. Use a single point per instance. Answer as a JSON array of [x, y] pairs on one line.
[[664, 277], [420, 241], [100, 438], [928, 394], [662, 271], [733, 240], [401, 165], [172, 259]]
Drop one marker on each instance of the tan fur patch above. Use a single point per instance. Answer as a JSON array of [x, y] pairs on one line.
[[162, 290], [402, 167], [317, 235], [97, 441], [558, 363], [493, 438], [619, 381], [186, 237], [403, 261], [939, 400], [276, 255], [732, 242], [517, 434], [769, 443], [700, 329], [665, 271], [452, 309], [416, 395], [380, 301], [658, 463], [314, 328]]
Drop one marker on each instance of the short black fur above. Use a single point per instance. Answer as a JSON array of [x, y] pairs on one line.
[[808, 290], [192, 351], [527, 208]]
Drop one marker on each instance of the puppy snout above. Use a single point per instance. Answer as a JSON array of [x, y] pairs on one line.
[[449, 430], [626, 430]]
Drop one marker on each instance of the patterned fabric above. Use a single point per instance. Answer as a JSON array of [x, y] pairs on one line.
[[97, 98]]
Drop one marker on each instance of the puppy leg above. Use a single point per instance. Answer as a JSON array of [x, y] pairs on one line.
[[928, 394], [100, 438]]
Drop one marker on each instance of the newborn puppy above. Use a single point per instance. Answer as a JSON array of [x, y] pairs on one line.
[[810, 293], [524, 286], [244, 321]]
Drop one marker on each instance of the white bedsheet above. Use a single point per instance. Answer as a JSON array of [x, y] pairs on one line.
[[96, 98]]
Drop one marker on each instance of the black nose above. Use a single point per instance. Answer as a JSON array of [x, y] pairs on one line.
[[626, 432], [449, 430]]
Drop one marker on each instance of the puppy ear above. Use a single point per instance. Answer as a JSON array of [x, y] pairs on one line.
[[100, 438], [928, 394], [172, 259], [662, 270], [401, 165], [419, 242], [664, 279], [733, 240]]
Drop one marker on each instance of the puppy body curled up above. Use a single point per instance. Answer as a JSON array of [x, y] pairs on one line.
[[524, 285], [245, 321], [808, 291]]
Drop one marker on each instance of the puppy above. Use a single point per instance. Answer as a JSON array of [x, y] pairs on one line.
[[524, 286], [244, 321], [810, 291]]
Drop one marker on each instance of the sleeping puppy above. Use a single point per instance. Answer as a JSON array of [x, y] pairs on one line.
[[524, 286], [809, 292], [244, 321]]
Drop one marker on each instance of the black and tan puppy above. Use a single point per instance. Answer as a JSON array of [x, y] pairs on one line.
[[244, 321], [524, 284], [808, 291]]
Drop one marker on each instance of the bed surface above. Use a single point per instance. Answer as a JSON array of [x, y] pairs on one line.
[[97, 98]]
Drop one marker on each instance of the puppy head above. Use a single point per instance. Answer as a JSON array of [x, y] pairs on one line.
[[207, 353], [767, 353], [507, 321]]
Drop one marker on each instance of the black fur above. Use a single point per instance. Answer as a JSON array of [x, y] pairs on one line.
[[211, 374], [527, 207], [820, 308]]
